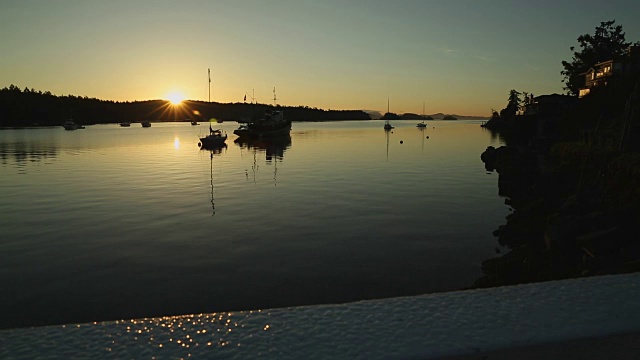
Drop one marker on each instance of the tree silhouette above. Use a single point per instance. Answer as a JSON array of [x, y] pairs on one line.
[[513, 105], [607, 43]]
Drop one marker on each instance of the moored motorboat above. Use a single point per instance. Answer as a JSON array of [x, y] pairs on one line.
[[125, 124], [387, 125], [421, 124], [71, 125], [145, 124]]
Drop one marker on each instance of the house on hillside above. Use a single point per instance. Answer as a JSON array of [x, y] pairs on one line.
[[544, 112], [547, 105], [602, 73]]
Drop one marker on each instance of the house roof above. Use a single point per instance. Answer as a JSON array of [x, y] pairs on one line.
[[555, 98], [603, 63], [588, 71]]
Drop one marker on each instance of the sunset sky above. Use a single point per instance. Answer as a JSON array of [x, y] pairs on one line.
[[456, 56]]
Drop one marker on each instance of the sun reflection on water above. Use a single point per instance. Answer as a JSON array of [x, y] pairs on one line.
[[176, 143]]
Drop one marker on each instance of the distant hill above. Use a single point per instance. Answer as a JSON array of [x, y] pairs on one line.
[[375, 115], [412, 116], [440, 116]]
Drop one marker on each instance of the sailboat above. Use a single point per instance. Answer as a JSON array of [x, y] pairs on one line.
[[387, 124], [422, 124], [216, 137]]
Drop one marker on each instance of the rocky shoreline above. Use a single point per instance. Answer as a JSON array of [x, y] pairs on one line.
[[573, 214]]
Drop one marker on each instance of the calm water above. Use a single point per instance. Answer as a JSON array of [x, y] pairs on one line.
[[110, 222]]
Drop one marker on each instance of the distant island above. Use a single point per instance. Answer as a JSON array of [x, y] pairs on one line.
[[411, 116], [390, 116], [30, 107]]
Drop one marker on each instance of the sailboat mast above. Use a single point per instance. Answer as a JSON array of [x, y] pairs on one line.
[[387, 105], [209, 74], [274, 96]]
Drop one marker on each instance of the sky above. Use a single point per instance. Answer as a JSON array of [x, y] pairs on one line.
[[450, 56]]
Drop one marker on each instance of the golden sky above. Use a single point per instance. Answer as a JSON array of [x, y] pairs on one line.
[[459, 56]]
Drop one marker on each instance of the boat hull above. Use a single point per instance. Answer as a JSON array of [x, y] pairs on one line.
[[70, 125], [212, 142], [262, 134]]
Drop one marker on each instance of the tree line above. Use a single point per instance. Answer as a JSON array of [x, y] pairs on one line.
[[30, 107]]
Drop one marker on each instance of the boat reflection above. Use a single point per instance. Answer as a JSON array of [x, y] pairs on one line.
[[213, 150], [423, 136], [21, 154], [273, 148], [386, 133]]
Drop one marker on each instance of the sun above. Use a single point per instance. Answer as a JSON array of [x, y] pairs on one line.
[[175, 98]]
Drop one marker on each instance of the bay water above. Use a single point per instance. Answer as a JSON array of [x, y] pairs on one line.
[[112, 223]]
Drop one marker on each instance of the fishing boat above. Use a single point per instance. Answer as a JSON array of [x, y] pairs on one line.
[[216, 138], [145, 123], [273, 124]]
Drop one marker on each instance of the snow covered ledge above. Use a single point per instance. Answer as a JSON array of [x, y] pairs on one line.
[[424, 327]]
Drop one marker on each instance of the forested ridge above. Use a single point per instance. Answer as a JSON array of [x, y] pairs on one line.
[[30, 107]]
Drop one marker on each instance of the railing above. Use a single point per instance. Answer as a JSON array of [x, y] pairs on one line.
[[424, 327]]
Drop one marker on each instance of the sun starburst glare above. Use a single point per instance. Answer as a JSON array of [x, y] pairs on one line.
[[175, 98]]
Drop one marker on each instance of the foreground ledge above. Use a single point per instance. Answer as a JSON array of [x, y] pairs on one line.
[[487, 321]]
